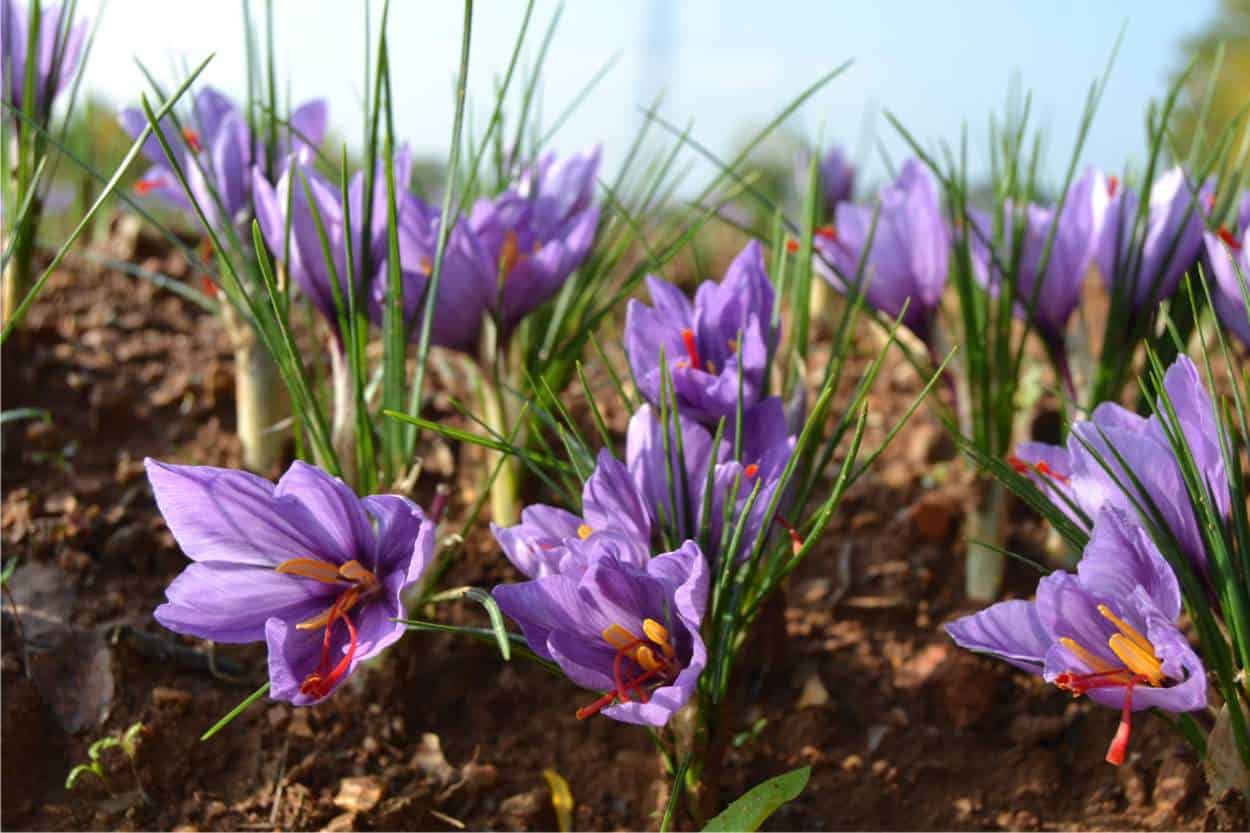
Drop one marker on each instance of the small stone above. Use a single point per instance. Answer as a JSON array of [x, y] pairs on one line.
[[429, 760], [852, 763], [919, 669], [521, 811], [814, 590], [298, 727], [359, 794], [1175, 784], [814, 694], [172, 698]]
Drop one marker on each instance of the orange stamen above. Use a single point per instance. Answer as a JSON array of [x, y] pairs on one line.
[[313, 568], [692, 349]]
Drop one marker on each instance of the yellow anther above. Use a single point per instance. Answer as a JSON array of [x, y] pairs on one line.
[[646, 658], [618, 637], [658, 634], [1138, 661], [1096, 665], [345, 603], [315, 623], [733, 345], [355, 571], [584, 531], [312, 568], [1128, 630], [509, 253], [426, 267]]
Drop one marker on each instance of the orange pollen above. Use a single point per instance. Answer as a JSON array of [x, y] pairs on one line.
[[827, 232], [1113, 185], [751, 470], [192, 138], [1229, 240], [692, 349]]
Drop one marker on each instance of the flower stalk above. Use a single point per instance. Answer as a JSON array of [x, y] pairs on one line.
[[260, 399]]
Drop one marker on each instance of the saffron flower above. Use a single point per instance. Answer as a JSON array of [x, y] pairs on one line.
[[625, 623], [534, 235], [1084, 475], [547, 540], [716, 348], [307, 262], [1170, 246], [1109, 631], [306, 566], [58, 49], [217, 154], [1228, 253], [1076, 237], [908, 260]]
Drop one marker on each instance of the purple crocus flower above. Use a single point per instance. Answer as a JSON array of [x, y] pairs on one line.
[[58, 44], [534, 235], [217, 153], [1072, 251], [1077, 474], [305, 565], [307, 262], [767, 446], [716, 349], [467, 287], [1109, 631], [1171, 245], [909, 255], [624, 623], [1228, 253]]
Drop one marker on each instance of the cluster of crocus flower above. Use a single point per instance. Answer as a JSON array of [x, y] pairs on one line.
[[907, 262], [1228, 256], [305, 566], [509, 256], [597, 603], [217, 153], [1111, 630], [58, 47]]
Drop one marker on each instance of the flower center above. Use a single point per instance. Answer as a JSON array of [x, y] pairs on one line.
[[584, 531], [653, 656], [359, 583], [1139, 665]]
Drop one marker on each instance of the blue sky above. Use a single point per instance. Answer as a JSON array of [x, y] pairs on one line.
[[728, 65]]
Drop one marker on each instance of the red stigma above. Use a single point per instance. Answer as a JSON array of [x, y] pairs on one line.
[[1078, 684], [192, 138], [827, 232], [796, 542], [792, 245], [1227, 236], [1046, 470], [692, 349], [751, 470], [210, 288], [318, 683], [1113, 185], [144, 186], [1017, 465]]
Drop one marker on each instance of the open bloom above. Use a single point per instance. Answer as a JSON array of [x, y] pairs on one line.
[[58, 49], [908, 260], [624, 623], [1108, 632], [305, 565], [305, 255], [1076, 236], [716, 349], [1088, 474], [1149, 272], [534, 235], [217, 152], [1228, 253]]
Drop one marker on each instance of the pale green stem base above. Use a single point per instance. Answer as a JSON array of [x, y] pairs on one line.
[[343, 423], [504, 498], [985, 522], [260, 399]]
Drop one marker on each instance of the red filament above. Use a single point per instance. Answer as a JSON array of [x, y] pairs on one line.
[[319, 682]]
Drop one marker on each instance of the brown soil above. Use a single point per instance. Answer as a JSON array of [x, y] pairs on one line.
[[902, 730]]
